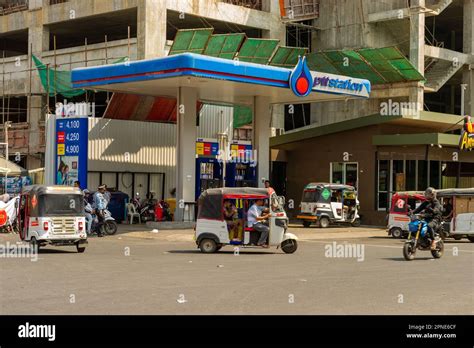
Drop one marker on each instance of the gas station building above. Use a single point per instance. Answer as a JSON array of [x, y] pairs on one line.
[[192, 79]]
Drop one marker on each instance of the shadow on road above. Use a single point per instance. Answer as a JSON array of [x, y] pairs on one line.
[[57, 251], [403, 259], [228, 252]]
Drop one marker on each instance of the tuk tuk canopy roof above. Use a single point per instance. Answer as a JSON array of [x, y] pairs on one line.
[[455, 192], [210, 202], [320, 185], [415, 194], [51, 189]]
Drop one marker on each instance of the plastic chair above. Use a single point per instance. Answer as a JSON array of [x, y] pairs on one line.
[[132, 213]]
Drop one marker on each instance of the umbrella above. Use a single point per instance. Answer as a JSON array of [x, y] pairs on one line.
[[11, 169]]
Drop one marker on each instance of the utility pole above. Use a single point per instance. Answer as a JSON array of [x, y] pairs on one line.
[[6, 125]]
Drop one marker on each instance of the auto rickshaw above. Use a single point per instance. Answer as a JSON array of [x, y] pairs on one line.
[[52, 215], [324, 204], [213, 231], [398, 219], [460, 223]]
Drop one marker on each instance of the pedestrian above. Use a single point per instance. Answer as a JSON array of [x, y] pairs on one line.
[[99, 205], [89, 211]]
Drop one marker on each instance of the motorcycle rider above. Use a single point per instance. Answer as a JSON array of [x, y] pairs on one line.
[[433, 213], [100, 204]]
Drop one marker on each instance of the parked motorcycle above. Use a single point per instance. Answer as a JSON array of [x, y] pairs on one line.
[[109, 226], [418, 239], [146, 209]]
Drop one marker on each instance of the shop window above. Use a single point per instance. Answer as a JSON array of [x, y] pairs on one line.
[[435, 174], [344, 173], [410, 175], [383, 184], [422, 175], [398, 175]]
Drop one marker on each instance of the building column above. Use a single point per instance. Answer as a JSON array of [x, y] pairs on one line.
[[185, 151], [261, 137], [417, 49], [151, 29], [38, 42], [468, 47]]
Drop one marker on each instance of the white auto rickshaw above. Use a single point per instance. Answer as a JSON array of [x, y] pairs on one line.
[[398, 219], [52, 215], [460, 223], [324, 204], [212, 229]]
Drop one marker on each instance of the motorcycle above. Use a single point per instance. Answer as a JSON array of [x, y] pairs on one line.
[[418, 239], [146, 209], [109, 226]]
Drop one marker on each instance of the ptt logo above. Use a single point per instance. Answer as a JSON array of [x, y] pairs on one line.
[[301, 80]]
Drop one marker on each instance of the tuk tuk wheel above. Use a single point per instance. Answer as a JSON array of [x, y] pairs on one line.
[[80, 249], [306, 223], [356, 223], [208, 246], [289, 246], [396, 232], [457, 237], [324, 222], [34, 243], [471, 238]]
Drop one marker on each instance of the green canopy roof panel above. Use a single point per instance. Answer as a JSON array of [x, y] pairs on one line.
[[379, 65], [287, 57], [191, 40], [224, 45], [257, 50]]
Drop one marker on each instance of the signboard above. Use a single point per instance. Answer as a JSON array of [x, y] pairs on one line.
[[207, 148], [303, 81], [71, 142], [15, 184], [467, 135]]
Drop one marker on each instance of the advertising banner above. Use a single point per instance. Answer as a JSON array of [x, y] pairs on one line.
[[71, 151]]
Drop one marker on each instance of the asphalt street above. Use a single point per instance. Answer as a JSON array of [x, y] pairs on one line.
[[164, 273]]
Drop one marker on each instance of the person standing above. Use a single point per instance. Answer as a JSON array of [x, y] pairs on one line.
[[99, 205]]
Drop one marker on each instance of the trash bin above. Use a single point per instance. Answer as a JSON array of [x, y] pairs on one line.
[[117, 205]]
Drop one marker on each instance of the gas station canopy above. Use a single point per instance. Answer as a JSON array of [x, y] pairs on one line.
[[216, 80]]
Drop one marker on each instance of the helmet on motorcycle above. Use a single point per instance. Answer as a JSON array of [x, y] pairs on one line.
[[430, 193]]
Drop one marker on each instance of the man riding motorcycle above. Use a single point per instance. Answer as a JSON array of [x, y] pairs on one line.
[[433, 213]]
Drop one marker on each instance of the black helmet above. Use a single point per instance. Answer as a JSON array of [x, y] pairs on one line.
[[430, 193]]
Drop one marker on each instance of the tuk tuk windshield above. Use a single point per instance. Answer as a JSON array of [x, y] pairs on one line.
[[61, 204], [310, 195]]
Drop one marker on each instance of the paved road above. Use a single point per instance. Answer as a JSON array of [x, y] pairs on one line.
[[165, 274]]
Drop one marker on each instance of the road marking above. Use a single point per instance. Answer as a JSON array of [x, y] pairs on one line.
[[376, 245]]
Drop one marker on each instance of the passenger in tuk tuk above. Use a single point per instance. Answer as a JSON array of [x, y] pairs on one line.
[[447, 209], [231, 217], [256, 218]]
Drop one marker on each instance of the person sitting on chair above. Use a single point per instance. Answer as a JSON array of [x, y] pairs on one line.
[[255, 220]]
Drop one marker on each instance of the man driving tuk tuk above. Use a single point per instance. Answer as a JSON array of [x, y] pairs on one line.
[[211, 232]]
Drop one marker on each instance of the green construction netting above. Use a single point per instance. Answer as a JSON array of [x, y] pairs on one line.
[[257, 50], [242, 115], [378, 65], [191, 40], [224, 45], [59, 81], [287, 57]]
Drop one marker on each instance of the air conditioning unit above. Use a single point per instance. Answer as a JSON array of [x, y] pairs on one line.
[[274, 132]]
